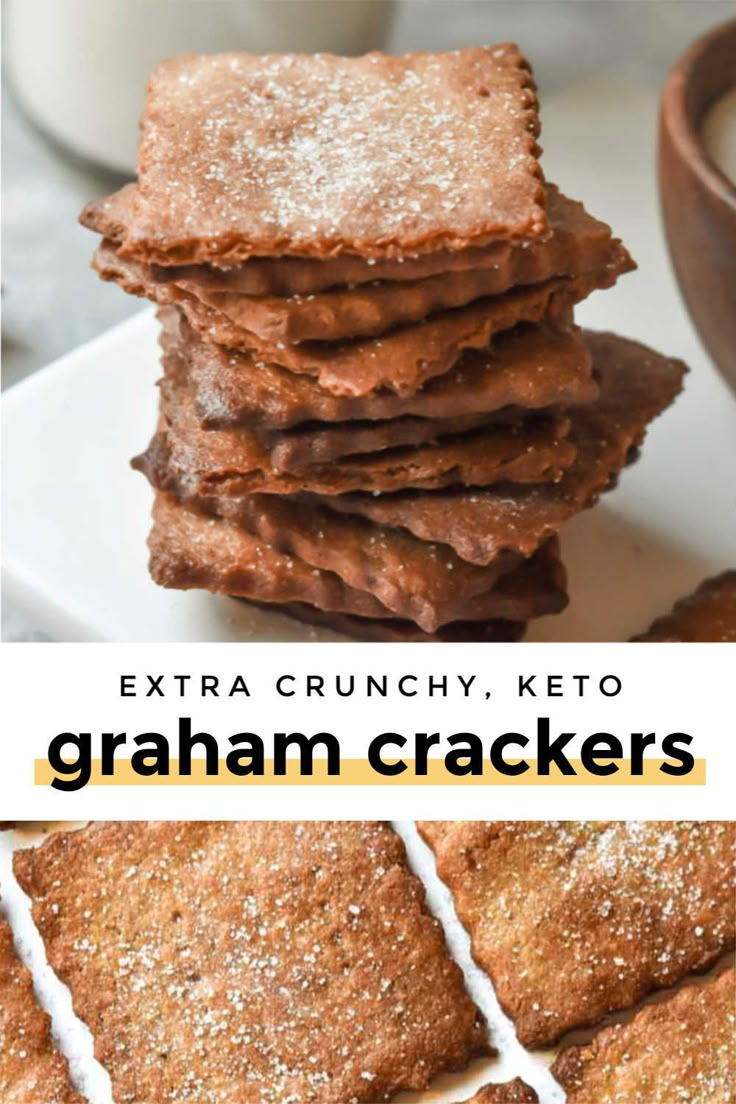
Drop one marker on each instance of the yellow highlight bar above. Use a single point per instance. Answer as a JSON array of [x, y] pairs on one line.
[[358, 772]]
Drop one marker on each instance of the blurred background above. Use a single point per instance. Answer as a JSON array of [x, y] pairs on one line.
[[73, 79]]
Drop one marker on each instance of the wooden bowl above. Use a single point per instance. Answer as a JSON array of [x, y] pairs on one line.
[[698, 200]]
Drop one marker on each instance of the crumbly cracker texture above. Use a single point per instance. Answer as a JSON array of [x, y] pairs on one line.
[[573, 920], [679, 1050], [262, 962]]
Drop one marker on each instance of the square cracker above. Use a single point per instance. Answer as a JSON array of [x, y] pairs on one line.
[[315, 155], [31, 1069], [681, 1049], [575, 919], [709, 614], [577, 244], [480, 523], [263, 962]]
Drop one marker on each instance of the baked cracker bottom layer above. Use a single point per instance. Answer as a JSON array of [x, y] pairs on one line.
[[417, 580], [31, 1070], [512, 1092]]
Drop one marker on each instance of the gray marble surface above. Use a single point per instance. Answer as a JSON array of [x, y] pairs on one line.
[[52, 302]]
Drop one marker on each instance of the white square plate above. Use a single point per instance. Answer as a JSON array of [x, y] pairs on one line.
[[75, 516]]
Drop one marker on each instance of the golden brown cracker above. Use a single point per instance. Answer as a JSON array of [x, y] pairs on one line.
[[266, 961], [31, 1069], [190, 550], [709, 614], [400, 361], [400, 631], [531, 367], [681, 1049], [636, 385], [314, 155], [577, 244], [618, 908]]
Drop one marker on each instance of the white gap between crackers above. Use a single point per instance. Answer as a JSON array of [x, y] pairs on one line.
[[513, 1059], [71, 1035], [75, 1041]]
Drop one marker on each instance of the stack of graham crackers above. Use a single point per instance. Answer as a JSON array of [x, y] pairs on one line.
[[376, 410]]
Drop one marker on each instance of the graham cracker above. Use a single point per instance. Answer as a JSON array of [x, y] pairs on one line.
[[190, 550], [577, 244], [31, 1069], [619, 908], [183, 456], [254, 961], [636, 383], [322, 443], [575, 240], [314, 155], [287, 277], [680, 1049], [531, 367], [414, 579], [709, 614]]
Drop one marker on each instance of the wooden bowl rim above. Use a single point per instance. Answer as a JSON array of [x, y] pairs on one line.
[[677, 120]]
